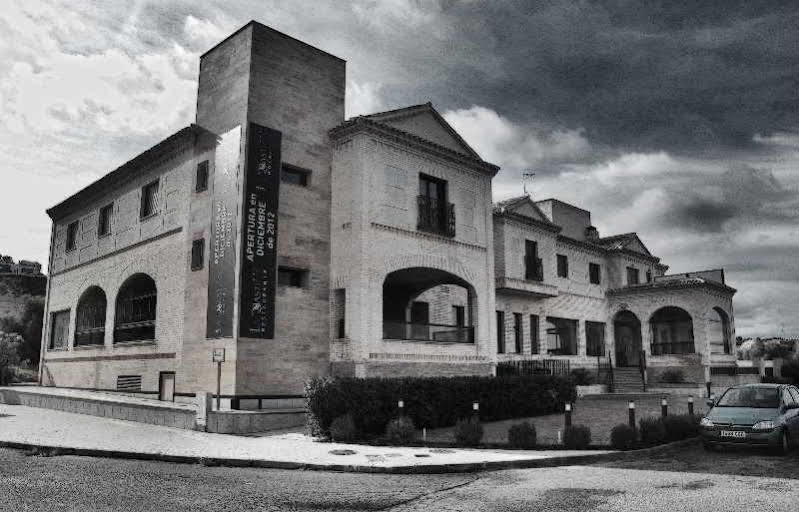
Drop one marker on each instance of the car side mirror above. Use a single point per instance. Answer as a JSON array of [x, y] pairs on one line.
[[710, 402]]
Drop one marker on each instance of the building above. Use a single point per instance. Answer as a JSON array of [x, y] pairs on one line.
[[304, 244], [20, 283]]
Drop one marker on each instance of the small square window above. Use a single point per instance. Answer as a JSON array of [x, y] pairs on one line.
[[563, 265], [149, 200], [197, 254], [201, 184], [291, 277], [594, 273], [104, 220], [294, 175], [72, 236]]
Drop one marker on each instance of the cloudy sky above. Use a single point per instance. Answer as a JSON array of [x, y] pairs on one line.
[[680, 122]]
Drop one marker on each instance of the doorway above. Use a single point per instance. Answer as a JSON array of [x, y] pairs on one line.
[[166, 386], [627, 339]]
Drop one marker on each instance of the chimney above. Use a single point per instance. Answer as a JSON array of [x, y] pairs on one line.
[[591, 234]]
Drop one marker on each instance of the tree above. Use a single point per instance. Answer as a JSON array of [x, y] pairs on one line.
[[30, 328], [9, 355]]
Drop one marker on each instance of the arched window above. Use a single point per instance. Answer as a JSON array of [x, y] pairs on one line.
[[719, 332], [90, 317], [672, 331], [135, 309]]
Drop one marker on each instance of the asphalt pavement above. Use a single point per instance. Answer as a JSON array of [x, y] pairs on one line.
[[35, 482]]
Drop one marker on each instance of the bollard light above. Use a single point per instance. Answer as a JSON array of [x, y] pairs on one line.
[[663, 402], [690, 399], [568, 407], [475, 406], [632, 404], [400, 404]]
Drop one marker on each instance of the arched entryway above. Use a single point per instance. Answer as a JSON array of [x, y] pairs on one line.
[[719, 332], [627, 338], [428, 304], [672, 331]]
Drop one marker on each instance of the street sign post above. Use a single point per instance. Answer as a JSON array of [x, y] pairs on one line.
[[218, 357]]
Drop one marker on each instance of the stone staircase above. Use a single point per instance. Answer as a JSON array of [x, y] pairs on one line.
[[627, 380]]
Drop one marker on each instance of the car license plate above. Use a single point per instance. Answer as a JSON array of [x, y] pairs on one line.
[[732, 433]]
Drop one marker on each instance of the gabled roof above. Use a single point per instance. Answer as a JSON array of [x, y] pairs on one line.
[[515, 207], [398, 119], [625, 241]]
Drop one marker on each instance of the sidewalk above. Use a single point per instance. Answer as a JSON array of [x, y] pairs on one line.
[[22, 426]]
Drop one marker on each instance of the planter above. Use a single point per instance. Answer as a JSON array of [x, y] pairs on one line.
[[593, 389]]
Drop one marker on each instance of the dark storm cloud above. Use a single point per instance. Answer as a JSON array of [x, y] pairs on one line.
[[666, 75]]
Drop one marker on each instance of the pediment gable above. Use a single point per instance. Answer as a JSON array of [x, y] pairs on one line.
[[525, 207], [425, 122]]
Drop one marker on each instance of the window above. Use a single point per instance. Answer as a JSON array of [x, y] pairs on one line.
[[291, 277], [533, 334], [594, 273], [533, 269], [149, 200], [340, 311], [436, 215], [294, 175], [59, 329], [633, 275], [104, 220], [563, 265], [595, 338], [518, 333], [90, 317], [561, 336], [459, 312], [201, 183], [136, 304], [72, 236], [500, 332], [197, 254], [648, 276]]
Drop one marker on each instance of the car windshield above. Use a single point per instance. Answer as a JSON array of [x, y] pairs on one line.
[[750, 397]]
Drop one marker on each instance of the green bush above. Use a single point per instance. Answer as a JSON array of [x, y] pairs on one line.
[[622, 437], [522, 435], [343, 429], [401, 431], [468, 432], [652, 431], [577, 437], [582, 377], [672, 376], [680, 426], [790, 371], [432, 402]]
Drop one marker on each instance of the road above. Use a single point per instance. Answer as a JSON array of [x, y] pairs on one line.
[[33, 482]]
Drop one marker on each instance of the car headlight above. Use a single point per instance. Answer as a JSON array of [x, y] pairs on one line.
[[763, 425], [705, 422]]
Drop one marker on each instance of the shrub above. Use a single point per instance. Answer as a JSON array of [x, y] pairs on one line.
[[468, 432], [680, 426], [401, 431], [522, 435], [343, 429], [672, 376], [10, 344], [432, 402], [577, 437], [622, 437], [652, 431], [790, 370], [582, 377]]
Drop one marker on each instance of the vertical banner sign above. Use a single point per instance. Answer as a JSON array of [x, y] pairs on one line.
[[259, 234], [222, 258]]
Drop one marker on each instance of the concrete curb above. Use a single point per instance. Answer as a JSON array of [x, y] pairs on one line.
[[348, 468]]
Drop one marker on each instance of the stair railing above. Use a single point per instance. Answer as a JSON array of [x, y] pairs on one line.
[[642, 368], [611, 384]]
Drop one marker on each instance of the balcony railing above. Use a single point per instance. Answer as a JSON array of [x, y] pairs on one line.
[[428, 332], [436, 216], [534, 270], [677, 347], [135, 318]]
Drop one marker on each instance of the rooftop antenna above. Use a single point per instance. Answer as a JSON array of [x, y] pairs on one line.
[[527, 176]]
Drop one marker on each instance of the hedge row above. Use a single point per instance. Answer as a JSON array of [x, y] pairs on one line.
[[432, 402]]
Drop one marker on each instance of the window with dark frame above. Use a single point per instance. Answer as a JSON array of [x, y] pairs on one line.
[[633, 275], [561, 336], [72, 236], [294, 175], [201, 183], [459, 312], [197, 253], [518, 332], [563, 265], [291, 277], [104, 220], [533, 268], [500, 332], [594, 273], [436, 215], [533, 334], [648, 276], [149, 200], [340, 311], [59, 329], [595, 338]]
